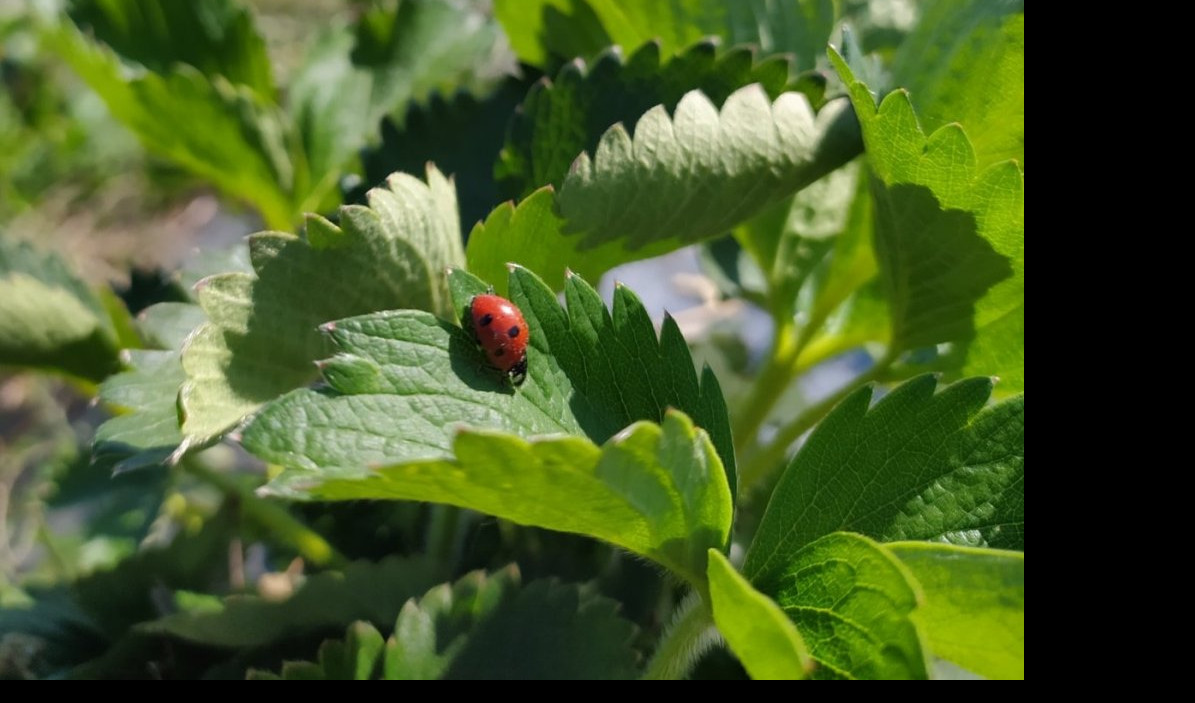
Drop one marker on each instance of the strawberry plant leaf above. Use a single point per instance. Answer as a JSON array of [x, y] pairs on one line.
[[484, 627], [974, 609], [368, 591], [852, 602], [391, 56], [405, 383], [565, 29], [49, 318], [697, 174], [918, 465], [461, 135], [146, 432], [563, 117], [950, 239], [756, 628], [965, 62], [262, 338], [216, 37]]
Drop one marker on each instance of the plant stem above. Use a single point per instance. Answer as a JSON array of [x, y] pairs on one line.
[[769, 385], [271, 516], [766, 459], [690, 635], [443, 531]]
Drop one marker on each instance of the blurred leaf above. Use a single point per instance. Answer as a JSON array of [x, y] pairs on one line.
[[147, 393], [49, 319], [950, 239], [484, 627], [918, 465], [166, 325], [852, 602], [246, 146], [373, 592], [217, 37], [697, 174], [263, 339], [756, 628], [461, 135], [563, 117], [569, 28], [355, 76], [974, 609], [965, 62]]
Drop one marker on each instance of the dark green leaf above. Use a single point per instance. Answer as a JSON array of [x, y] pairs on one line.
[[974, 609], [918, 465], [49, 319], [373, 592], [148, 432], [851, 601]]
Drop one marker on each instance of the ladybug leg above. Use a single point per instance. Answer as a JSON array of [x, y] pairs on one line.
[[518, 372]]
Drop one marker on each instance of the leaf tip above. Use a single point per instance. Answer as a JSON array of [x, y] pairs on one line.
[[328, 327]]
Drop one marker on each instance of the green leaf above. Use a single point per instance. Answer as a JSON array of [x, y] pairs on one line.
[[217, 37], [950, 239], [974, 609], [852, 602], [392, 55], [485, 627], [563, 117], [654, 490], [49, 319], [262, 338], [373, 592], [167, 325], [965, 62], [462, 135], [697, 174], [918, 465], [245, 147], [568, 28], [147, 431], [755, 627]]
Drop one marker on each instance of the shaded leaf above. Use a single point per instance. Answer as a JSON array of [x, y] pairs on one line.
[[49, 318], [851, 601], [147, 431], [755, 627], [563, 117], [918, 465], [373, 592], [262, 338], [950, 238], [697, 174], [974, 609]]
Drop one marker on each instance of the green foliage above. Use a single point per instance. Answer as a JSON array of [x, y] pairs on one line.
[[754, 626], [261, 338], [938, 215], [405, 384], [363, 591], [918, 465], [974, 609], [483, 627], [564, 29], [50, 319], [563, 117]]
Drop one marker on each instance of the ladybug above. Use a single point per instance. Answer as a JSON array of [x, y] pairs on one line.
[[502, 332]]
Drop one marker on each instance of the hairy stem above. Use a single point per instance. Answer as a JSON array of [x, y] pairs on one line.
[[690, 635]]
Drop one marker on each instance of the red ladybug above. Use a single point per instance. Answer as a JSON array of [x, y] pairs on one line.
[[502, 333]]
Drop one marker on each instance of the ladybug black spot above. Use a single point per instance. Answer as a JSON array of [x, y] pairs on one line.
[[485, 320], [513, 332], [499, 351]]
